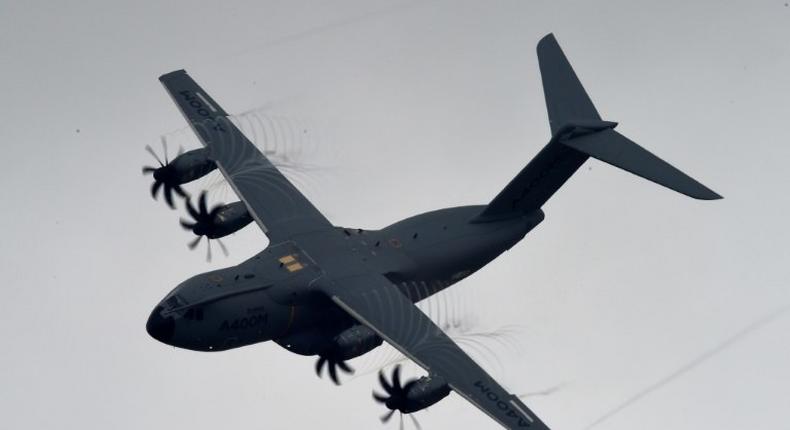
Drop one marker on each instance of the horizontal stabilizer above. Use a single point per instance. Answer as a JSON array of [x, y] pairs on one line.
[[612, 147]]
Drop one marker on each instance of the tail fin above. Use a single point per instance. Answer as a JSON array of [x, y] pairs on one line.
[[577, 134], [566, 100]]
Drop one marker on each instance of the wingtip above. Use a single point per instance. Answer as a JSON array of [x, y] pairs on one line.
[[172, 74], [712, 195], [549, 38], [700, 192]]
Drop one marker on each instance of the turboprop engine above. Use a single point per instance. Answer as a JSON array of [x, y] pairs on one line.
[[170, 175], [413, 396], [349, 343], [218, 222]]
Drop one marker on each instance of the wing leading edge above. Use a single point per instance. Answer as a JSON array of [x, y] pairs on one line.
[[375, 302], [276, 205]]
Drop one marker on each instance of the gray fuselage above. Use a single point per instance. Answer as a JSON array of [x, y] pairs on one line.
[[269, 296]]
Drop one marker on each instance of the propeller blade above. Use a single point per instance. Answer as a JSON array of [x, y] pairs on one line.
[[180, 150], [164, 148], [396, 378], [208, 250], [401, 421], [147, 170], [155, 187], [319, 366], [195, 242], [186, 224], [345, 367], [384, 384], [202, 204], [169, 196], [222, 247], [180, 191], [192, 211], [386, 417], [151, 151], [379, 398], [333, 373]]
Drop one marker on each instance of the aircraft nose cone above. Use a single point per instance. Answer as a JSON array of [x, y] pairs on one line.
[[159, 327]]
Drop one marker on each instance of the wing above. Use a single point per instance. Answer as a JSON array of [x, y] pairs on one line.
[[375, 302], [275, 204]]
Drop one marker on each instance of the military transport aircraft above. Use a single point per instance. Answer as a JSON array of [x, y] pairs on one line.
[[338, 293]]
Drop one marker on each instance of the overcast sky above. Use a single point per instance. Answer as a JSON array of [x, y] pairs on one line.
[[635, 307]]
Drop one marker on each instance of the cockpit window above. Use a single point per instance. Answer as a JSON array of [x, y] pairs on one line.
[[173, 302]]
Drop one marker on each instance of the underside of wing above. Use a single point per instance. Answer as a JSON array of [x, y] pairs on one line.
[[375, 302], [273, 201]]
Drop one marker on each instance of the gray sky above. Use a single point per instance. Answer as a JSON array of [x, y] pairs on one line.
[[626, 294]]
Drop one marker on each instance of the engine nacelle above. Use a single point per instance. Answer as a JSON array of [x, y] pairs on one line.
[[355, 341], [425, 392], [349, 343], [187, 167], [170, 175], [414, 395], [226, 219]]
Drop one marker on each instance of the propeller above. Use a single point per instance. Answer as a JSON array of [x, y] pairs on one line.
[[203, 224], [396, 398], [164, 175], [332, 365]]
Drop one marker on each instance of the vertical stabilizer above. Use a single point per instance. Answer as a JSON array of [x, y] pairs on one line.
[[578, 133], [566, 100]]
